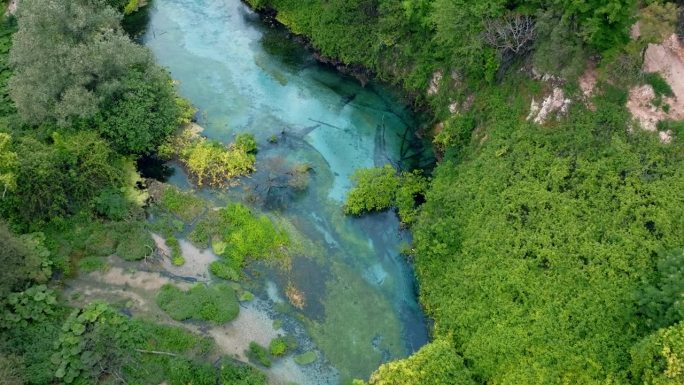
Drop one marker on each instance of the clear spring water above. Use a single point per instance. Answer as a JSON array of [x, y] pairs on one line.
[[360, 304]]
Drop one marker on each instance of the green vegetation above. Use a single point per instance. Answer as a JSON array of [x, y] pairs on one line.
[[237, 234], [184, 205], [209, 162], [436, 363], [258, 354], [238, 374], [381, 188], [305, 358], [278, 347], [216, 303], [89, 264]]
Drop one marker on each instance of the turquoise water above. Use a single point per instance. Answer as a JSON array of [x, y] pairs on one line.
[[359, 306]]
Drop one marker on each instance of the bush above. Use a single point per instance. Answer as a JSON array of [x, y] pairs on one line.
[[258, 354], [208, 161], [216, 303], [380, 188], [238, 234], [658, 359]]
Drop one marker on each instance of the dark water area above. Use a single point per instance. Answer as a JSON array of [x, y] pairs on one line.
[[358, 294]]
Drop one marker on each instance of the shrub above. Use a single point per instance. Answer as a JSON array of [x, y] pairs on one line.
[[374, 190], [381, 188], [209, 161], [278, 347], [182, 371], [238, 234], [184, 205]]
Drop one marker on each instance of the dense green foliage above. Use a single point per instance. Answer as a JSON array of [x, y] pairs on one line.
[[660, 302], [216, 303], [74, 65], [531, 250], [406, 41]]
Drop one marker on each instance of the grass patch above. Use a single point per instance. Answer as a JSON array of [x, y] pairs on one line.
[[215, 303]]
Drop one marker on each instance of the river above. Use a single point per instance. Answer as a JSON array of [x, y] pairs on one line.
[[360, 297]]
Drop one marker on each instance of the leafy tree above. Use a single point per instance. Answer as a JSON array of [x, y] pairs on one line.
[[141, 114], [68, 57]]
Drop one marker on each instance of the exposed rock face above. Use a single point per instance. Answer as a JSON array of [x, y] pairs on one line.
[[667, 59], [12, 7], [642, 109], [555, 104], [588, 80], [434, 82]]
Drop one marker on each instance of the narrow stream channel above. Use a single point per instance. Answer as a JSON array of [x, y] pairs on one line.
[[360, 305]]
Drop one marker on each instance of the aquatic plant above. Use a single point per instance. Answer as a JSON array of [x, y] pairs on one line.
[[305, 358], [216, 303], [258, 354], [278, 347]]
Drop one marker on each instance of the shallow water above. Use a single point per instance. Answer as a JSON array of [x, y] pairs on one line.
[[359, 306]]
